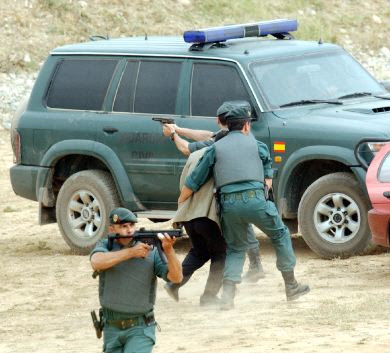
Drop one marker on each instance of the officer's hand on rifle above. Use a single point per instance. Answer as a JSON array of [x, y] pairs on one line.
[[167, 242], [140, 250]]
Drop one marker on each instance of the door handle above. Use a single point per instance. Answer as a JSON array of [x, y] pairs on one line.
[[110, 129], [387, 194]]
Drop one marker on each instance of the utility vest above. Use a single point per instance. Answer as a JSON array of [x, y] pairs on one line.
[[129, 287], [237, 159]]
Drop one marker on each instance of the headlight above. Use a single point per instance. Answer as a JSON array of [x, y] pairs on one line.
[[375, 146]]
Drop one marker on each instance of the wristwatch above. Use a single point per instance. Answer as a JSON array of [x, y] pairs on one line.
[[172, 136]]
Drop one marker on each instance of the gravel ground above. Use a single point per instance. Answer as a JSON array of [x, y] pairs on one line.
[[15, 86], [47, 291]]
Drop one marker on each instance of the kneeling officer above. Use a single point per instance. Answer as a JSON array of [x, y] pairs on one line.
[[127, 284]]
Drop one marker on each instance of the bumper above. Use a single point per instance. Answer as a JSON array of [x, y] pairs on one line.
[[379, 225], [24, 180]]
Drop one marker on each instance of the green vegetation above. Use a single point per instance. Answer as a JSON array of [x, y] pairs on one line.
[[34, 27]]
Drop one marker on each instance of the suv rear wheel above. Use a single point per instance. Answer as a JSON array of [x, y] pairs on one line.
[[83, 205], [332, 216]]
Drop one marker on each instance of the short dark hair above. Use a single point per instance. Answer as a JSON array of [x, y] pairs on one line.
[[222, 118], [236, 124]]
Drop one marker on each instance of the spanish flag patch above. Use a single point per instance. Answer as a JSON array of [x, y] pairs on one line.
[[279, 147]]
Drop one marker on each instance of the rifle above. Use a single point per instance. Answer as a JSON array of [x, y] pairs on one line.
[[98, 325], [164, 120], [150, 237]]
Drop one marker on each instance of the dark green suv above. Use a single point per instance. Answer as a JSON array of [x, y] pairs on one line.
[[85, 142]]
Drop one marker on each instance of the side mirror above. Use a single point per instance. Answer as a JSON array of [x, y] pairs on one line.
[[386, 85]]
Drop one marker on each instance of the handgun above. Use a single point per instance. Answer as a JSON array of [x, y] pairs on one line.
[[164, 120], [97, 324]]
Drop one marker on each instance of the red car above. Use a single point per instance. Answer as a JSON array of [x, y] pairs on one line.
[[378, 186]]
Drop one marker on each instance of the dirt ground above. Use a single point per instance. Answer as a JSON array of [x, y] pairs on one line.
[[46, 294]]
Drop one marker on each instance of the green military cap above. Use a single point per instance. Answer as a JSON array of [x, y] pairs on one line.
[[122, 215], [235, 109]]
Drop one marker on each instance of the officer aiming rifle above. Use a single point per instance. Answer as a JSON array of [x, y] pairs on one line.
[[151, 237], [129, 263]]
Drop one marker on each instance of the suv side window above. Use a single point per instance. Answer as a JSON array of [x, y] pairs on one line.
[[211, 85], [157, 87], [148, 87], [124, 100], [80, 84]]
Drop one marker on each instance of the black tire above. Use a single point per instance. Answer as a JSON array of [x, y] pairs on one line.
[[338, 202], [86, 198]]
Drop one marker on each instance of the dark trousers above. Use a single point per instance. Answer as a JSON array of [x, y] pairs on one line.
[[207, 244]]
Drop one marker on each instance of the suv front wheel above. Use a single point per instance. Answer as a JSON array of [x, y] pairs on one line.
[[83, 205], [332, 216]]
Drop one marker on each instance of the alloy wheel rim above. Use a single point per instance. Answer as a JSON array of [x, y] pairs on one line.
[[337, 218], [84, 214]]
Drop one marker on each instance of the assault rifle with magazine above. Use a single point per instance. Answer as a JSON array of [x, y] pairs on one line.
[[150, 237]]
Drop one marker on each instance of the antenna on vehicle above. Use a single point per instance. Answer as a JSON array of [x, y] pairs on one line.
[[98, 37]]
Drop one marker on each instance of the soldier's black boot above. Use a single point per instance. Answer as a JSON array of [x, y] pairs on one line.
[[209, 300], [293, 289], [227, 298], [213, 284], [173, 288], [255, 270]]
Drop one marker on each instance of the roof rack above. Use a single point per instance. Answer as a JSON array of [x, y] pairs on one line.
[[205, 46]]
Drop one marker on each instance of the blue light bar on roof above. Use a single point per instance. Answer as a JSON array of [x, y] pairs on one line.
[[260, 29]]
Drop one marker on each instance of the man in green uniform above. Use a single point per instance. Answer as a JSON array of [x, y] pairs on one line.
[[202, 139], [127, 285], [240, 165]]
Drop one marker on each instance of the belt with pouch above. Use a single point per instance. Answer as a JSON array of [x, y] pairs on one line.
[[124, 324], [242, 195]]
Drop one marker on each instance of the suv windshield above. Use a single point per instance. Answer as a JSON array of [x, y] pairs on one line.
[[312, 77]]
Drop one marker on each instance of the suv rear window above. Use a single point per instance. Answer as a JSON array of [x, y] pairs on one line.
[[149, 87], [80, 84], [212, 85]]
